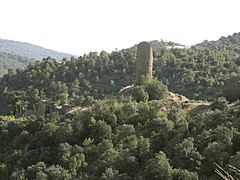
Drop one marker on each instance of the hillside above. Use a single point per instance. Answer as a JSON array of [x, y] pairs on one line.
[[112, 139], [230, 44], [29, 50], [197, 73], [88, 117], [13, 62]]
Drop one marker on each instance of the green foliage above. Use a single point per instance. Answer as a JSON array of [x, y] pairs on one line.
[[12, 118], [120, 140], [158, 168], [182, 174], [105, 137], [156, 90], [137, 93], [220, 103], [186, 156], [18, 175], [58, 92], [41, 171], [146, 89], [9, 63], [197, 73], [3, 171], [112, 174]]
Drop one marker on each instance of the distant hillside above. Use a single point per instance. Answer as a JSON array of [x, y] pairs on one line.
[[29, 50], [230, 43]]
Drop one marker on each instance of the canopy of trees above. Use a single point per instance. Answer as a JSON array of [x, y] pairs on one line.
[[121, 140], [10, 62]]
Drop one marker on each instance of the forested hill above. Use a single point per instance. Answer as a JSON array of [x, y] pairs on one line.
[[197, 73], [29, 50], [67, 120], [230, 43]]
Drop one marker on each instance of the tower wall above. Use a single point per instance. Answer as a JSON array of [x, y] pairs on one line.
[[144, 60]]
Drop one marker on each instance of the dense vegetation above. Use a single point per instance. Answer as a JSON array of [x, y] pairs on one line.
[[10, 62], [197, 73], [116, 140], [230, 44], [121, 136], [29, 50]]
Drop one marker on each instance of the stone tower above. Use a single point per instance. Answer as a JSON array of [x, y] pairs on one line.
[[144, 60]]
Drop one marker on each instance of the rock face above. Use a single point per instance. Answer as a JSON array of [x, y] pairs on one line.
[[144, 60], [231, 88]]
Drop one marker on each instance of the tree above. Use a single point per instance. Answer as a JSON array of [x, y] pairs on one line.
[[75, 87], [122, 131], [235, 160], [186, 156], [100, 131], [22, 141], [155, 89], [158, 168], [64, 133], [182, 174], [36, 171], [56, 172], [57, 92], [139, 94], [44, 137], [221, 104], [4, 174], [127, 163], [112, 174], [18, 175]]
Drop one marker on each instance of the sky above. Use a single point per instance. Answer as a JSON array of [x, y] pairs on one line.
[[83, 26]]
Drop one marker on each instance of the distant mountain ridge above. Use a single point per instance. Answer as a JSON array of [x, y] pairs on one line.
[[29, 50]]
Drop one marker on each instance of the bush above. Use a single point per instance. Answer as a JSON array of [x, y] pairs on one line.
[[156, 89], [220, 103], [139, 94]]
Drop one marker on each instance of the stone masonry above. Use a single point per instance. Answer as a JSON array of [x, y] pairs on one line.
[[144, 60]]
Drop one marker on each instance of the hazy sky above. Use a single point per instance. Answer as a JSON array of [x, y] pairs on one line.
[[81, 26]]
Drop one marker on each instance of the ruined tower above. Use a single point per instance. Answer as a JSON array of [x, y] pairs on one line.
[[144, 60]]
